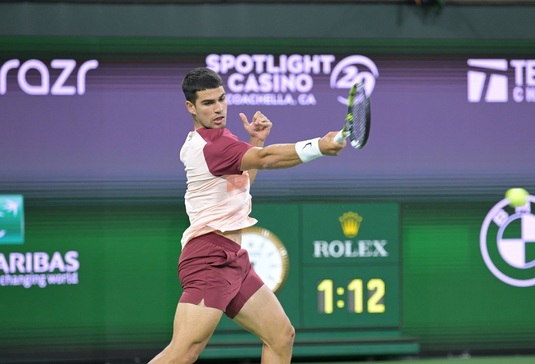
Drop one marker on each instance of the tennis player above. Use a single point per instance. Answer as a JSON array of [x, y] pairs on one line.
[[215, 273]]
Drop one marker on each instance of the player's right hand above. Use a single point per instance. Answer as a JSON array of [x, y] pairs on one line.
[[329, 147]]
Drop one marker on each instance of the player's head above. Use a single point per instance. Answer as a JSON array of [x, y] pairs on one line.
[[199, 79], [205, 98]]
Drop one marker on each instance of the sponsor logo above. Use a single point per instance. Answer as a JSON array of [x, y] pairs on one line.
[[34, 76], [489, 80], [350, 248], [507, 243], [288, 80], [38, 269], [11, 219], [350, 223], [351, 70], [29, 269]]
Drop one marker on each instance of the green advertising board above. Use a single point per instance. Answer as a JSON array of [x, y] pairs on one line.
[[99, 280], [90, 281]]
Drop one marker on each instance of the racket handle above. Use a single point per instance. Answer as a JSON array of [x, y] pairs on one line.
[[340, 137]]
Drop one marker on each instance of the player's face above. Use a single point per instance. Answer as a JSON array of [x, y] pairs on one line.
[[210, 109]]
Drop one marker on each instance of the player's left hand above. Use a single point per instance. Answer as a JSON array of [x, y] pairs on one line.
[[259, 128]]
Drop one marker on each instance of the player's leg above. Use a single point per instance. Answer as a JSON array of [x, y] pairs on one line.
[[204, 273], [264, 316], [192, 328]]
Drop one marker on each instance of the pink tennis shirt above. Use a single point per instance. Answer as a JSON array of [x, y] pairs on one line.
[[217, 196]]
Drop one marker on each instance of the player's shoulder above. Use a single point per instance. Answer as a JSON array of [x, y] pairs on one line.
[[211, 135]]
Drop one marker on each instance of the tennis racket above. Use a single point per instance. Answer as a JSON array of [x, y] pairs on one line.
[[358, 118]]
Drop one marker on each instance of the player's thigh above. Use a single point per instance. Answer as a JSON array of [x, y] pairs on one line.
[[264, 316], [194, 324]]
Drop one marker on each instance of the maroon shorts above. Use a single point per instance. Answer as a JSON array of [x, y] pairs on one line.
[[216, 269]]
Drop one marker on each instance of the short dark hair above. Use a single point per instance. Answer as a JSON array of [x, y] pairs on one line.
[[199, 79]]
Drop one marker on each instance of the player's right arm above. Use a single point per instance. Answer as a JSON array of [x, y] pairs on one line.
[[280, 156]]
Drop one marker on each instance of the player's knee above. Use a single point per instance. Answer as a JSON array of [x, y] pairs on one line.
[[285, 339]]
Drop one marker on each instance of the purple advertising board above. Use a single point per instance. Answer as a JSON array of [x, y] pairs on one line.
[[448, 124]]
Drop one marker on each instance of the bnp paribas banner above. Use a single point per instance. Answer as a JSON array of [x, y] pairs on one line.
[[24, 267], [351, 264]]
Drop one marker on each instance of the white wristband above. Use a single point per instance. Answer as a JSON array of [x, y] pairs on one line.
[[308, 150]]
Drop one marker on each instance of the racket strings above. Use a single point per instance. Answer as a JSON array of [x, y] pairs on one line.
[[359, 127]]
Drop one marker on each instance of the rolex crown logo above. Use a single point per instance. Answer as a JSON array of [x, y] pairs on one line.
[[350, 222]]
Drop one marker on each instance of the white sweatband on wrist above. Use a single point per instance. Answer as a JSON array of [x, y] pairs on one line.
[[308, 150]]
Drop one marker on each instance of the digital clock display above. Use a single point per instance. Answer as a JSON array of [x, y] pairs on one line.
[[351, 296], [356, 293]]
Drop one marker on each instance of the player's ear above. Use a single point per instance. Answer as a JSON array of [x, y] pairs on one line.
[[190, 107]]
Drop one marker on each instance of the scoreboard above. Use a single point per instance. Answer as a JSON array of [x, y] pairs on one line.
[[351, 265]]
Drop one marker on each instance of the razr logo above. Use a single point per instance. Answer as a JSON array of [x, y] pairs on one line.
[[39, 74]]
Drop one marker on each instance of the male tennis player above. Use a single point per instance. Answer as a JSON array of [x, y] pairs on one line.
[[214, 271]]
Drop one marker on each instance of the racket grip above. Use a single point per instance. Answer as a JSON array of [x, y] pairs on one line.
[[340, 137]]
